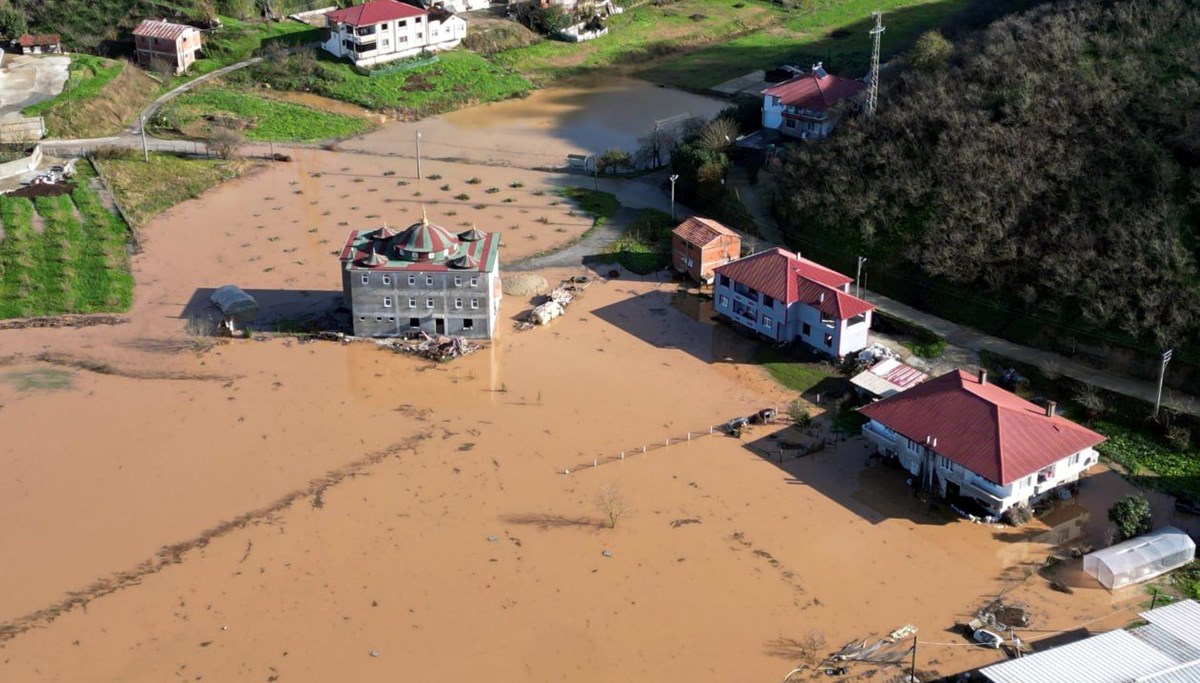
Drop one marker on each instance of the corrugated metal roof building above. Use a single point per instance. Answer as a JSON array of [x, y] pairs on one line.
[[1165, 650]]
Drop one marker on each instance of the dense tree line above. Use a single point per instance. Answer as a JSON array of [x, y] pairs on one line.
[[1049, 162]]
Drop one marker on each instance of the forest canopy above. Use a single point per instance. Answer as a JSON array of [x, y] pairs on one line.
[[1050, 164]]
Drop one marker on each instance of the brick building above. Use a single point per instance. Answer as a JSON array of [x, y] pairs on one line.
[[699, 245], [164, 42], [422, 278]]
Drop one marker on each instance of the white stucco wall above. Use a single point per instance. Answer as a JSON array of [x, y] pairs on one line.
[[397, 39], [999, 498]]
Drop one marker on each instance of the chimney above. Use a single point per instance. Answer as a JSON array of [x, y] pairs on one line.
[[982, 376], [1050, 406]]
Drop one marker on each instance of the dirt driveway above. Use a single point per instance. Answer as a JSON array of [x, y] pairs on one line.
[[25, 81]]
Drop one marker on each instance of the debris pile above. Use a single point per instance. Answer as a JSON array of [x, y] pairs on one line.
[[440, 349], [556, 302]]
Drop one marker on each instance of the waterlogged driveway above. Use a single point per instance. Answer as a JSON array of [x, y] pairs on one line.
[[25, 81]]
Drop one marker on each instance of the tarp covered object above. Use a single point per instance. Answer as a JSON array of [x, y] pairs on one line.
[[1141, 558], [234, 303]]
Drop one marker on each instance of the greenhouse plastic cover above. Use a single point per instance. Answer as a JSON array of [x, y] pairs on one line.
[[1140, 558]]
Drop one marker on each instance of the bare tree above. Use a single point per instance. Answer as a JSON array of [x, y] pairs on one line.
[[811, 644], [611, 504], [225, 142]]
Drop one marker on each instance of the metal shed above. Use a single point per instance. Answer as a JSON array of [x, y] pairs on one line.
[[236, 306], [1140, 559]]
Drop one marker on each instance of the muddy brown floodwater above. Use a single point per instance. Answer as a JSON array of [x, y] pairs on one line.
[[586, 116], [272, 509]]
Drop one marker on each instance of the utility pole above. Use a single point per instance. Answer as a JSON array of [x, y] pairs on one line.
[[873, 84], [674, 177], [912, 672], [145, 149], [1162, 375], [418, 156], [596, 172], [858, 277]]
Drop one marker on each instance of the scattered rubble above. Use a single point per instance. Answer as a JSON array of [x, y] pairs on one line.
[[57, 321], [440, 349]]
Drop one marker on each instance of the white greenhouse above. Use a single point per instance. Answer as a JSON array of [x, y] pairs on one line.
[[1141, 558]]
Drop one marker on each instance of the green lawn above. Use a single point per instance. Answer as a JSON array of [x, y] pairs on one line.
[[145, 190], [643, 33], [646, 245], [802, 37], [1151, 463], [793, 374], [239, 40], [457, 79], [77, 264], [601, 205], [87, 76], [260, 118]]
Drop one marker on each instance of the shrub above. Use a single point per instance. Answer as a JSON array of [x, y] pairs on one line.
[[613, 160], [1132, 516], [1179, 437], [225, 142], [931, 51], [799, 414], [1018, 515]]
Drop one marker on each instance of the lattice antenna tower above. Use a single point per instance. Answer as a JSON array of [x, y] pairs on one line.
[[873, 85]]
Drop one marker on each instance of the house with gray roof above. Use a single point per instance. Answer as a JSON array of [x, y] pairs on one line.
[[424, 277]]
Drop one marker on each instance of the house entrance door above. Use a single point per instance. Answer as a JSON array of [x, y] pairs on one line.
[[439, 325]]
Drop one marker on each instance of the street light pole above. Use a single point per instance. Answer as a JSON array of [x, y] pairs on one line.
[[1162, 375], [674, 177], [145, 149], [858, 277], [418, 155]]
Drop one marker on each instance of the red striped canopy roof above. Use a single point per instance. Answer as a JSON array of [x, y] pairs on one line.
[[158, 28]]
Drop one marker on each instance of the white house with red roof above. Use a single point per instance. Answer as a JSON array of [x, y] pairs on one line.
[[785, 298], [384, 30], [966, 438], [809, 105]]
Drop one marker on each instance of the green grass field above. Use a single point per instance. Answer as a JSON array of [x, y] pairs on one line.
[[459, 78], [145, 190], [260, 118], [239, 40], [87, 76], [833, 31], [643, 33], [793, 374], [77, 264], [646, 245]]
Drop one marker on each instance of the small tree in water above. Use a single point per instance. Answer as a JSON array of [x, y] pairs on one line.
[[612, 504], [1132, 516]]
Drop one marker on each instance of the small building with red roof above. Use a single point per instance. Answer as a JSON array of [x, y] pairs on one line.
[[162, 42], [698, 245], [39, 44], [963, 437], [810, 105], [381, 31], [785, 297], [423, 277]]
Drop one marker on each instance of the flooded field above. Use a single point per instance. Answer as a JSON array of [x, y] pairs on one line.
[[586, 117], [292, 510]]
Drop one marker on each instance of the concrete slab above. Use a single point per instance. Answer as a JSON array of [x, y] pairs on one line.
[[27, 80], [752, 83]]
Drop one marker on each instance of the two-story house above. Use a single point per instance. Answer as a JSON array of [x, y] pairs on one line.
[[159, 41], [384, 30], [422, 278], [698, 245], [786, 298], [965, 438], [810, 105]]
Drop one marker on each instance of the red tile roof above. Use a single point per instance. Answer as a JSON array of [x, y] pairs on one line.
[[702, 231], [158, 28], [38, 39], [990, 431], [781, 275], [815, 92], [373, 12]]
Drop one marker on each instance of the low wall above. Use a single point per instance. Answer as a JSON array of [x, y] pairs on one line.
[[25, 129], [21, 166]]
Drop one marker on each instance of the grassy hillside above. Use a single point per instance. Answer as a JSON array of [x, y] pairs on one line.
[[100, 26], [1043, 183], [100, 97], [194, 113]]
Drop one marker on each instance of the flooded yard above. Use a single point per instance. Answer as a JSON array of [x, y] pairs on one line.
[[584, 117]]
